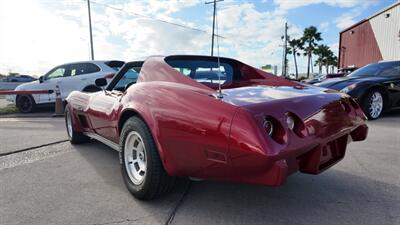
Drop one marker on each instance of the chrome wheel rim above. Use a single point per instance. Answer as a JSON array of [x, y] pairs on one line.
[[135, 157], [69, 124], [375, 105]]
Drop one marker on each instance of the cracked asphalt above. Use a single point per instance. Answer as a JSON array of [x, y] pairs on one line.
[[58, 183]]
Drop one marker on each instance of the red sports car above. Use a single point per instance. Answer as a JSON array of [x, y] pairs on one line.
[[213, 118]]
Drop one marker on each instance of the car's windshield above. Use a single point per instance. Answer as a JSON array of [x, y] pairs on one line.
[[378, 69]]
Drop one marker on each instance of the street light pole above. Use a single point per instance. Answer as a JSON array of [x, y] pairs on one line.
[[285, 47], [213, 27], [90, 31]]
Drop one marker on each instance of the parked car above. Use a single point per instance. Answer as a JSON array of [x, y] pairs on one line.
[[212, 118], [376, 87], [68, 77], [316, 77], [19, 78], [341, 72]]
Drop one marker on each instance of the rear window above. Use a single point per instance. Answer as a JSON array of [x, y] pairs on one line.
[[203, 70]]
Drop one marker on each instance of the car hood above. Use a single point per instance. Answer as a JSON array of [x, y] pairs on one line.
[[342, 82], [34, 85]]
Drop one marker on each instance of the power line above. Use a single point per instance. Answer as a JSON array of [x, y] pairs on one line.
[[230, 39], [152, 18]]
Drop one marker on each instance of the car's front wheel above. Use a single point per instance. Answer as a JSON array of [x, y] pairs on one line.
[[73, 136], [141, 166], [25, 103], [373, 104]]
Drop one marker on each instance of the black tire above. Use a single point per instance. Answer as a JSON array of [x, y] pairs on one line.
[[25, 103], [73, 136], [91, 89], [156, 181], [367, 101]]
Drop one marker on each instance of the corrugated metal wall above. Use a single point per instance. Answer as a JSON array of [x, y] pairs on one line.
[[371, 40], [386, 27], [358, 46]]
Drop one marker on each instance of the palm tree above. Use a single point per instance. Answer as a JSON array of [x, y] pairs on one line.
[[294, 46], [310, 38], [324, 53], [332, 61]]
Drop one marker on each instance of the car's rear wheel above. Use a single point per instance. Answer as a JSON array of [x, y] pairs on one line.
[[141, 166], [25, 103], [373, 104], [73, 136]]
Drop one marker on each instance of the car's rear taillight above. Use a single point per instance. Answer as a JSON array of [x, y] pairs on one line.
[[274, 129], [109, 76], [295, 124], [269, 127]]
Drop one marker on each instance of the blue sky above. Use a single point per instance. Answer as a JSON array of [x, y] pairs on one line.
[[45, 33]]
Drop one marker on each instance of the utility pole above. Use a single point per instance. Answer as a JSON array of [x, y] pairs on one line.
[[285, 62], [90, 31], [213, 27]]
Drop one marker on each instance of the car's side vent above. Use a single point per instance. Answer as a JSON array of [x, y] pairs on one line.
[[216, 156], [83, 121]]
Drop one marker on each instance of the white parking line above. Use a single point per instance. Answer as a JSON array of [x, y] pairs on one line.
[[30, 119]]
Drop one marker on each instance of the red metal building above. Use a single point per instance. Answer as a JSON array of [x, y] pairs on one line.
[[371, 40]]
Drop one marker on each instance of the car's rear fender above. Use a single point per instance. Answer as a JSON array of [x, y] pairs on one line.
[[190, 129]]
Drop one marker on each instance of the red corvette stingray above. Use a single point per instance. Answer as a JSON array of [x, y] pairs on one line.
[[168, 117]]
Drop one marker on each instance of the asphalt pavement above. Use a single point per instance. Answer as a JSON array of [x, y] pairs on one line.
[[17, 133], [64, 184]]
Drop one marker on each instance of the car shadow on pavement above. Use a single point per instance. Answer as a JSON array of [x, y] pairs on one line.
[[105, 161], [334, 197]]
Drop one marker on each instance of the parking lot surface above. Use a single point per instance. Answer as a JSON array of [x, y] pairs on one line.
[[65, 184], [18, 133]]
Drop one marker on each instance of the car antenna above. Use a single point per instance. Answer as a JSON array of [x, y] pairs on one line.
[[219, 95]]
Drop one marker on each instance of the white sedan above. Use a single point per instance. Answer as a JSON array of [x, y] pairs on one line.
[[78, 76]]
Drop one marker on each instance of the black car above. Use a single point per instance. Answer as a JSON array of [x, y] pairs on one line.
[[376, 87]]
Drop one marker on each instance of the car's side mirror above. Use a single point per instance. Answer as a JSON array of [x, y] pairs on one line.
[[101, 82], [41, 79]]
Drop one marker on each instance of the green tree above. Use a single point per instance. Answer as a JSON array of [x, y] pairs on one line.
[[294, 46], [323, 53], [310, 38], [332, 62]]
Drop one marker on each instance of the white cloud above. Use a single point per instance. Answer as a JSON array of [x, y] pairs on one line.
[[33, 38], [345, 20], [52, 33], [349, 18], [292, 4], [57, 32], [335, 48], [323, 27], [254, 36]]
